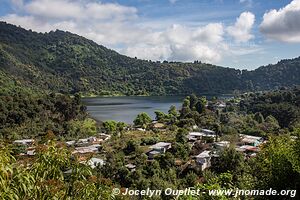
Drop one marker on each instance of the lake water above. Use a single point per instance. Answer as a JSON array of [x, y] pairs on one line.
[[125, 109]]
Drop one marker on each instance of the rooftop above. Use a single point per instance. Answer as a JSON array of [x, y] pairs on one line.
[[24, 141], [204, 154], [88, 149], [208, 131], [154, 152], [130, 166], [160, 145], [250, 137], [197, 134], [222, 143], [248, 148], [94, 162]]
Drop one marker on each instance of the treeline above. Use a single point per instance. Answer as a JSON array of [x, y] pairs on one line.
[[283, 104], [64, 62], [262, 113]]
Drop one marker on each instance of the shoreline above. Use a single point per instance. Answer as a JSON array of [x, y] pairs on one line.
[[173, 95]]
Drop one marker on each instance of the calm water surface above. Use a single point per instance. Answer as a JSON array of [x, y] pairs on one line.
[[125, 109]]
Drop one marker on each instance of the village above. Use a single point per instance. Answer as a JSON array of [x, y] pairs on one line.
[[89, 150]]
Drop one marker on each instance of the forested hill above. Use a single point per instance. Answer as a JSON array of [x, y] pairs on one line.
[[65, 62], [284, 73]]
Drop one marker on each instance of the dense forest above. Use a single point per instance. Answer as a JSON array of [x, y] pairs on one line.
[[64, 62]]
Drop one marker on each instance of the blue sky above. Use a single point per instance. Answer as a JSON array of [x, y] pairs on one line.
[[244, 34]]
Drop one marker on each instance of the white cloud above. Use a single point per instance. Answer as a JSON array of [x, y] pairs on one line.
[[66, 9], [53, 9], [182, 43], [211, 33], [283, 24], [241, 30], [118, 27], [149, 52]]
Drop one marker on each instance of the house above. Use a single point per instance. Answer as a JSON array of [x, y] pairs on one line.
[[205, 133], [193, 136], [161, 147], [87, 141], [251, 140], [222, 144], [247, 149], [71, 143], [131, 167], [26, 142], [30, 152], [158, 148], [208, 132], [204, 160], [104, 136], [220, 105], [88, 149], [94, 162], [216, 105], [82, 142]]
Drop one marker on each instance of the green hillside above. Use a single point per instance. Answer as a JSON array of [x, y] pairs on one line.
[[67, 63]]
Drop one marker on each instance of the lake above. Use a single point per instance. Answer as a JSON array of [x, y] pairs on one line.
[[126, 108]]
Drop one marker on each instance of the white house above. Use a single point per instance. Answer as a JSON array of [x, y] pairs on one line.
[[70, 143], [251, 140], [131, 167], [192, 136], [208, 132], [247, 148], [221, 105], [27, 142], [222, 144], [161, 147], [158, 148], [94, 162], [31, 152], [204, 159]]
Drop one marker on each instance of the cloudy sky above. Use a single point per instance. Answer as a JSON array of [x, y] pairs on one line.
[[243, 34]]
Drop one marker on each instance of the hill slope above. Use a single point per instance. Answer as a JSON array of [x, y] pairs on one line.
[[65, 62], [284, 73]]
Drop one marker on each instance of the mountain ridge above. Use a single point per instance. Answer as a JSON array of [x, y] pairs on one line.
[[65, 62]]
